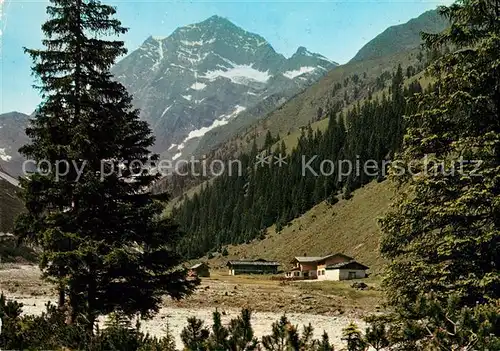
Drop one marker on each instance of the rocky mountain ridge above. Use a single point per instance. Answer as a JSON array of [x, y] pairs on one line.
[[205, 74]]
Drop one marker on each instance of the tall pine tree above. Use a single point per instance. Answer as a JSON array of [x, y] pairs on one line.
[[444, 232], [103, 242]]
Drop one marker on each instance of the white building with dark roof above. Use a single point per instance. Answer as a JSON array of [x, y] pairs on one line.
[[311, 267], [330, 267], [344, 271]]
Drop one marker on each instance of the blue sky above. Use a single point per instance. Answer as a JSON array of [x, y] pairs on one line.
[[336, 29]]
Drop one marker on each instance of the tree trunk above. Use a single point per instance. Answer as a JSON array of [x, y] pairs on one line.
[[72, 308], [91, 297], [62, 298]]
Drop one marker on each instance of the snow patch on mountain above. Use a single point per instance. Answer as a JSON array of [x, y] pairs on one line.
[[222, 120], [4, 156], [198, 86], [239, 109], [295, 73], [161, 54], [192, 57], [198, 133], [240, 74], [166, 110], [182, 67], [197, 42]]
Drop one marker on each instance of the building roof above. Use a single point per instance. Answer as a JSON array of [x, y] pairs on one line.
[[198, 265], [258, 262], [347, 265], [313, 259]]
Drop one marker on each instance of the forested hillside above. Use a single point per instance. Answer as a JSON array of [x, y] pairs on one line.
[[349, 226], [402, 37], [344, 85], [237, 209], [342, 88], [10, 206]]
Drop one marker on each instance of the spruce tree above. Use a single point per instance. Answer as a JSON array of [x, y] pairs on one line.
[[444, 231], [218, 338], [241, 335], [277, 341], [194, 335], [445, 325], [353, 338], [324, 343], [103, 242]]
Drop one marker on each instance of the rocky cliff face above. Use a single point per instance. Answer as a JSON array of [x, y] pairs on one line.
[[204, 75], [12, 137]]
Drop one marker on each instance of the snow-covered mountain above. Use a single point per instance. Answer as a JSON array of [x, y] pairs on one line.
[[12, 137], [200, 77], [204, 75]]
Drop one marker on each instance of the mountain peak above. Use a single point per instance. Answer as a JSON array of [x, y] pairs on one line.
[[217, 21], [205, 74], [13, 115], [302, 51], [217, 18], [153, 39], [303, 54]]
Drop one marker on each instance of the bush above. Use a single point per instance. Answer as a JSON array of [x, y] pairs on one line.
[[332, 199], [50, 332], [10, 251]]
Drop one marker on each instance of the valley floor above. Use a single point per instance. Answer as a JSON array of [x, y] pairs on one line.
[[328, 306]]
